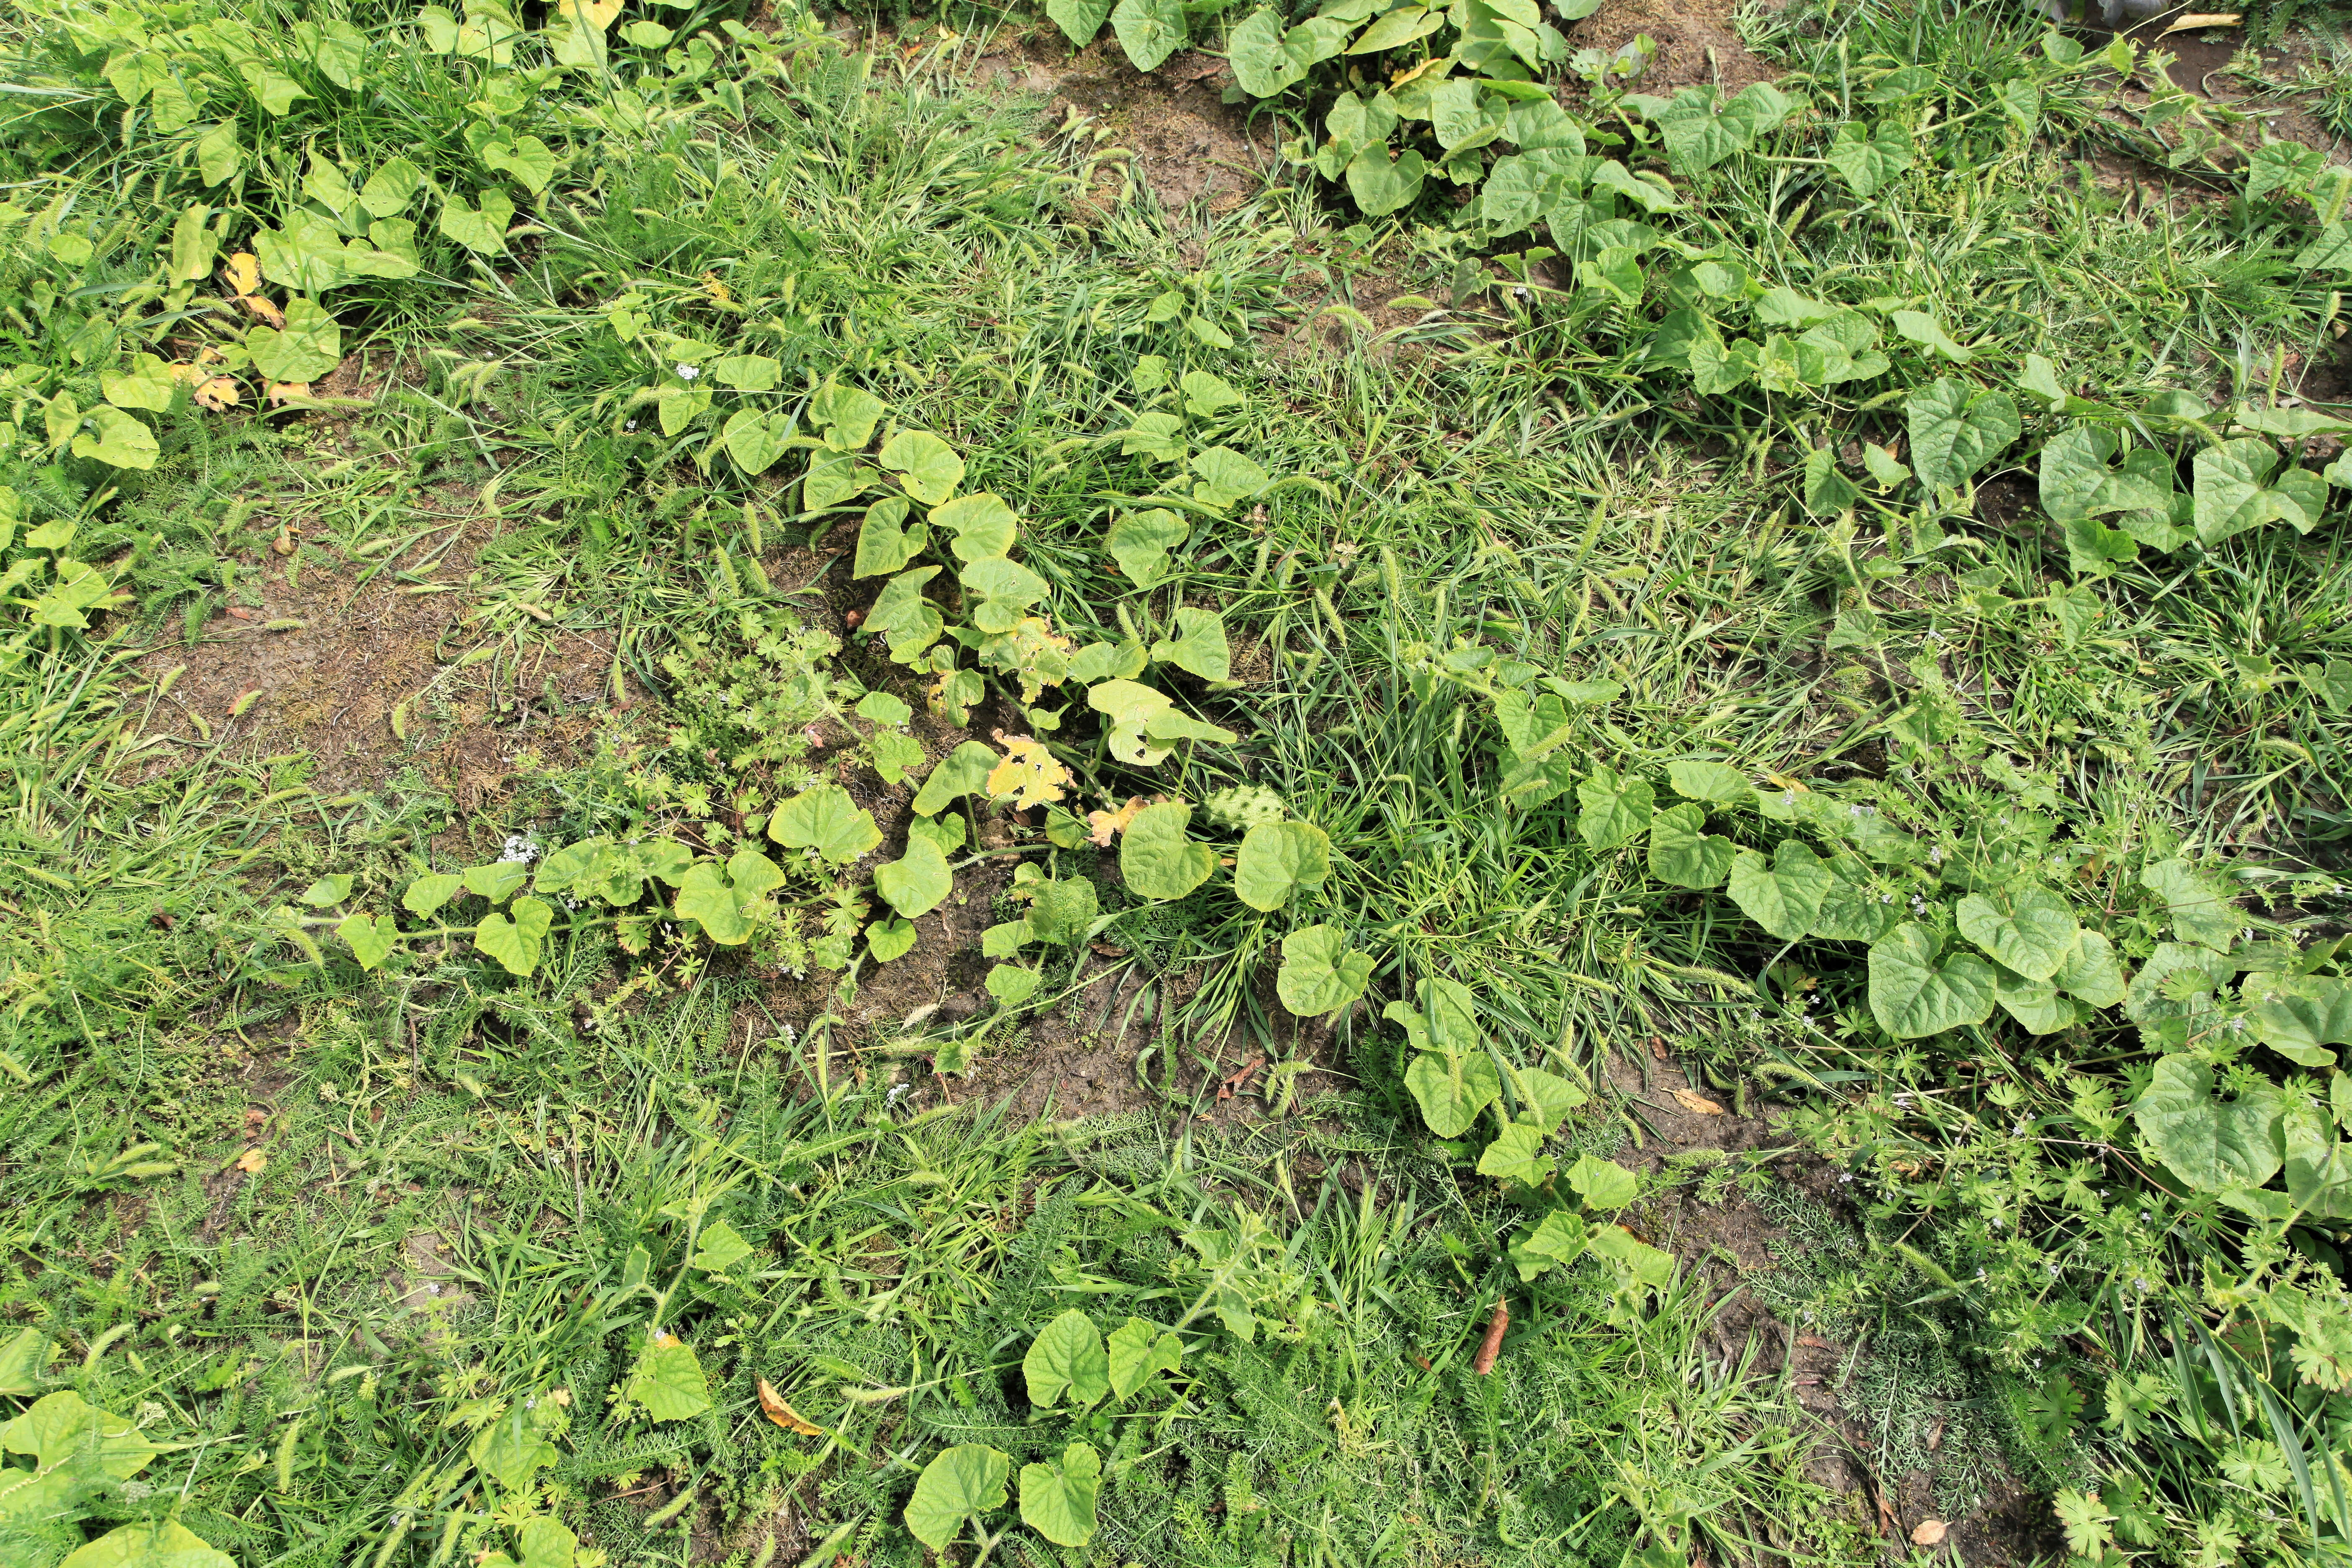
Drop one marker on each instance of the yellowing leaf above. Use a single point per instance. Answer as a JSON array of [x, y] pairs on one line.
[[286, 391], [1105, 826], [598, 14], [217, 393], [243, 272], [1696, 1104], [772, 1405], [252, 1162], [262, 307], [1029, 772]]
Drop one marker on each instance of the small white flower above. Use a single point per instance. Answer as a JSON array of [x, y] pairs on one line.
[[520, 849], [687, 373]]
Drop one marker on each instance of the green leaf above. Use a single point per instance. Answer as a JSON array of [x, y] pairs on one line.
[[147, 385], [667, 1380], [1067, 1357], [825, 819], [512, 1449], [1559, 1240], [496, 880], [1956, 429], [983, 526], [327, 890], [1148, 30], [1517, 1155], [2090, 971], [719, 1247], [755, 440], [1200, 646], [2211, 1144], [1253, 49], [2035, 1004], [1868, 161], [847, 415], [2200, 912], [2319, 1164], [1636, 1260], [999, 592], [1683, 853], [1277, 857], [429, 893], [120, 439], [1225, 477], [1827, 491], [371, 939], [964, 772], [1057, 1498], [1011, 985], [1140, 543], [1206, 396], [959, 1484], [2299, 1015], [2030, 929], [889, 940], [311, 345], [748, 373], [1442, 1017], [483, 229], [1157, 858], [527, 158], [1613, 811], [1383, 184], [61, 1427], [881, 708], [1929, 332], [2076, 481], [1710, 782], [918, 881], [678, 406], [24, 1361], [1699, 136], [1602, 1184], [218, 153], [1784, 895], [833, 477], [166, 1544], [1320, 974], [2233, 494], [1545, 1099], [1913, 995], [392, 187], [515, 942], [1453, 1088], [1079, 20], [726, 903], [1138, 1348]]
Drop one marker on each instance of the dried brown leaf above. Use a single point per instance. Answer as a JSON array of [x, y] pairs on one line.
[[1696, 1104], [772, 1405]]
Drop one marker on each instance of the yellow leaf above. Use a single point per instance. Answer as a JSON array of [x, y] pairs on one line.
[[262, 308], [1105, 826], [287, 391], [1696, 1104], [772, 1405], [1028, 772], [243, 272], [251, 1161], [600, 14], [217, 393]]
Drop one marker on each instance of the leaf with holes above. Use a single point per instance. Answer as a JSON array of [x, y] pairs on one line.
[[825, 819], [1320, 974], [1683, 853], [515, 939], [1278, 857], [1913, 994], [1158, 859], [959, 1484]]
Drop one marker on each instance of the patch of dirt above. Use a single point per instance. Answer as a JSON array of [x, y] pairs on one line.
[[1695, 38], [324, 658]]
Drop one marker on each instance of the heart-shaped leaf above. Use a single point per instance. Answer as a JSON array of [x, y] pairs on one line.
[[2031, 928], [1158, 859], [1140, 543], [755, 440], [667, 1380], [2211, 1144], [1058, 1497], [482, 230], [1138, 1348], [1614, 811], [982, 525], [918, 881], [2235, 491], [1559, 1240], [2090, 973], [2200, 912], [964, 772], [2035, 1004], [515, 942], [1199, 648], [1517, 1155], [889, 940], [1079, 20], [2077, 482], [1319, 972], [1785, 894], [1869, 160], [825, 819], [1957, 428], [1710, 782], [1912, 994], [1850, 911], [1683, 853], [724, 901], [1148, 30], [371, 938], [1453, 1088], [1067, 1357], [1602, 1184], [2300, 1015], [927, 466], [1277, 857], [959, 1484]]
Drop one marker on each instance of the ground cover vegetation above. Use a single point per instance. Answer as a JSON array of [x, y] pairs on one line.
[[1817, 581]]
